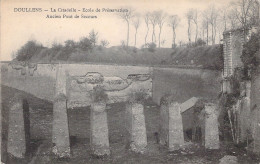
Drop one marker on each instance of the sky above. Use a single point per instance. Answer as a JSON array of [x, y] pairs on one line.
[[19, 27]]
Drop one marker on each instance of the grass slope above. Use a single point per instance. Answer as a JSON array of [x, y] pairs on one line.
[[209, 57]]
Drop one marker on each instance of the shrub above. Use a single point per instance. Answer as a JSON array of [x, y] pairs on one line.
[[137, 97], [67, 50], [85, 44], [98, 94], [166, 99], [104, 43], [70, 44], [56, 46], [135, 50], [199, 42], [93, 37], [151, 47], [28, 50], [250, 54]]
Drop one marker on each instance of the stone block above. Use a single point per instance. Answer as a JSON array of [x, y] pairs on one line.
[[18, 143], [60, 127], [99, 130], [228, 159], [136, 127], [164, 124], [171, 127], [244, 118], [176, 137], [211, 127]]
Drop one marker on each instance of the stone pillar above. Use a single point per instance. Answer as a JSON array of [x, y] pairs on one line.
[[255, 109], [226, 86], [1, 122], [60, 128], [99, 129], [136, 127], [211, 127], [243, 108], [18, 142], [176, 137], [171, 127], [164, 123], [256, 134]]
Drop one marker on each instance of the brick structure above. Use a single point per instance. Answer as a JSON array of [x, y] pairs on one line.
[[247, 108], [233, 42]]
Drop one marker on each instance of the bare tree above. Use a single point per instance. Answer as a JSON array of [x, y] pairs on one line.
[[205, 24], [243, 11], [205, 27], [147, 22], [232, 20], [213, 14], [180, 43], [93, 37], [127, 16], [189, 17], [223, 18], [161, 18], [136, 23], [222, 21], [153, 21], [256, 12], [194, 18], [163, 42], [173, 23], [104, 43]]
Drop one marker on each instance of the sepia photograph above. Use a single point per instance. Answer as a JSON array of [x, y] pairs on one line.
[[129, 82]]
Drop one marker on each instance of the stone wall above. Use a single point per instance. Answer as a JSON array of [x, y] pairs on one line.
[[255, 110], [117, 80], [184, 84], [233, 41], [39, 80]]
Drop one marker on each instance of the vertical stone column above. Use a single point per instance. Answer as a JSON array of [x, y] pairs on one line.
[[256, 134], [1, 122], [164, 123], [226, 86], [18, 142], [176, 137], [255, 106], [244, 116], [136, 126], [60, 128], [171, 127], [99, 129], [211, 127]]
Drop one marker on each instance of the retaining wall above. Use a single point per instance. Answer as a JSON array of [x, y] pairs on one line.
[[184, 84]]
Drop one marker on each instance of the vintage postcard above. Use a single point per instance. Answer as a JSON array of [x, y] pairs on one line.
[[133, 81]]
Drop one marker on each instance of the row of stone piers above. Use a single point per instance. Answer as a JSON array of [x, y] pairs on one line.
[[170, 133]]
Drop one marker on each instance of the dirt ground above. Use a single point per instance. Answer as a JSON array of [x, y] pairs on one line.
[[81, 153]]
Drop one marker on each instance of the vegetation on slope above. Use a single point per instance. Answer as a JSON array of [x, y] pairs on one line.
[[250, 56], [209, 57]]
